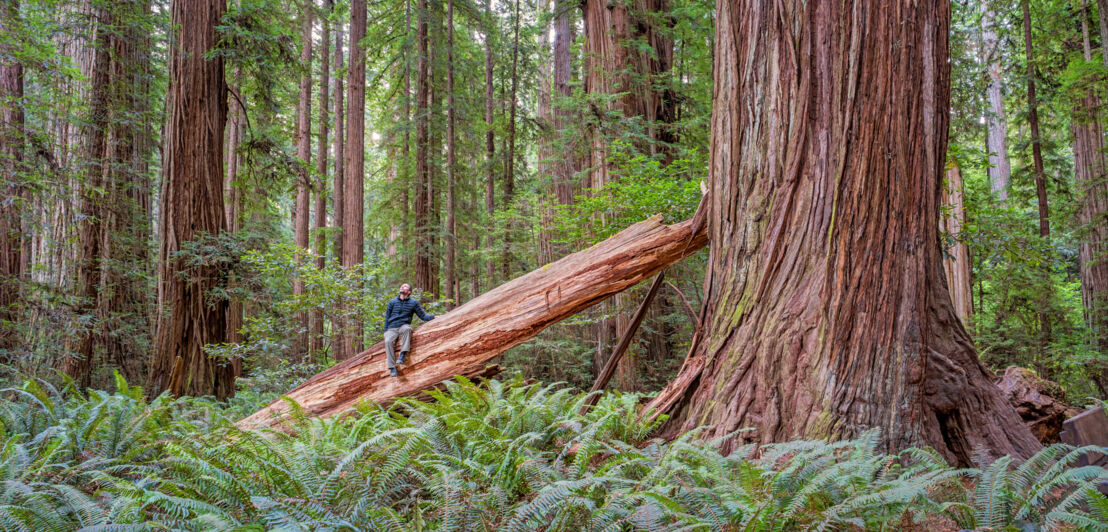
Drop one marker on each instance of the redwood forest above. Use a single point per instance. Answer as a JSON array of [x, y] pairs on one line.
[[523, 265]]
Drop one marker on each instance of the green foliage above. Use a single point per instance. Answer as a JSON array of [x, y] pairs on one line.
[[642, 186], [501, 456]]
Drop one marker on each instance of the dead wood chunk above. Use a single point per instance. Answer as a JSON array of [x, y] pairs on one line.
[[1088, 428], [1039, 402]]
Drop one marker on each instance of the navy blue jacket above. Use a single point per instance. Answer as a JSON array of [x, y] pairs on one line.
[[399, 312]]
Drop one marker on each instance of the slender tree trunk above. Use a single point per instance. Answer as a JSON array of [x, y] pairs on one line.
[[956, 259], [11, 186], [354, 186], [1033, 122], [406, 109], [192, 205], [1091, 176], [996, 123], [78, 361], [451, 162], [830, 315], [1045, 315], [423, 148], [566, 185], [316, 341], [302, 212], [490, 143], [338, 323], [510, 164]]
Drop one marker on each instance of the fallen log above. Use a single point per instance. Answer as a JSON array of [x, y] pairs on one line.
[[462, 341]]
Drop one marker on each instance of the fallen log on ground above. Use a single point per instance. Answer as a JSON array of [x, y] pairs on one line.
[[462, 341]]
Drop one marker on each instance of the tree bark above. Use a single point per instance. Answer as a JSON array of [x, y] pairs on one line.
[[490, 143], [566, 186], [11, 186], [192, 205], [338, 323], [451, 161], [316, 341], [461, 342], [996, 123], [826, 310], [1091, 176], [423, 149], [1045, 315], [302, 210], [510, 164], [956, 259], [354, 167]]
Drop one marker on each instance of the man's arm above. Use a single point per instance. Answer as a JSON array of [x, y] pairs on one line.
[[423, 315], [388, 313]]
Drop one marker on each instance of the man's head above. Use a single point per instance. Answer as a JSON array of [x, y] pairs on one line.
[[405, 289]]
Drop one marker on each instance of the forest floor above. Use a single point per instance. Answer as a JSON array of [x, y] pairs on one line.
[[499, 456]]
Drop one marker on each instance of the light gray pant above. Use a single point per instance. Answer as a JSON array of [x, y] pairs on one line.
[[405, 334]]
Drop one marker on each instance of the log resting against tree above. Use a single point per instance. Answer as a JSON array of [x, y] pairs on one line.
[[464, 340]]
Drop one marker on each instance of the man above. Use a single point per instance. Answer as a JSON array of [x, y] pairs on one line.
[[398, 322]]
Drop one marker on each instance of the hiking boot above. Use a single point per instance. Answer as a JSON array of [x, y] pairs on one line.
[[392, 372], [403, 354]]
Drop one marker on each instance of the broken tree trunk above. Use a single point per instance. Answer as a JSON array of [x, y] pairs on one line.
[[461, 342]]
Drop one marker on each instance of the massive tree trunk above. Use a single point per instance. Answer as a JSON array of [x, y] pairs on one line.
[[11, 164], [826, 310], [1091, 176], [192, 205], [956, 259], [510, 161], [566, 166], [338, 323], [461, 342], [353, 223], [996, 122], [302, 210]]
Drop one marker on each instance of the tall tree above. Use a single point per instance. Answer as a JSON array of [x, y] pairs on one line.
[[422, 205], [11, 162], [490, 138], [996, 123], [316, 341], [510, 163], [567, 165], [339, 143], [192, 205], [302, 210], [451, 163], [1091, 176], [826, 309], [353, 231], [1045, 315]]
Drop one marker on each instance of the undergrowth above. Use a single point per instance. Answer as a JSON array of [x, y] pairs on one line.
[[501, 456]]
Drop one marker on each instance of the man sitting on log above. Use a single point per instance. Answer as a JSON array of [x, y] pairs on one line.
[[398, 322]]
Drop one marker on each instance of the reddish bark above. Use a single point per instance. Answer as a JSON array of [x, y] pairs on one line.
[[826, 310], [302, 210], [353, 237], [315, 346], [423, 277], [956, 258], [11, 162], [1091, 176], [192, 205]]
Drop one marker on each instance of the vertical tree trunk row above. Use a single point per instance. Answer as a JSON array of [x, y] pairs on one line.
[[451, 162], [11, 164]]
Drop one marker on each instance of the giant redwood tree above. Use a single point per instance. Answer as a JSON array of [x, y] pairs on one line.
[[192, 206], [826, 309], [11, 159]]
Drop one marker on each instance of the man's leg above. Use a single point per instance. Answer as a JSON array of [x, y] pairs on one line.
[[405, 341], [390, 348]]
